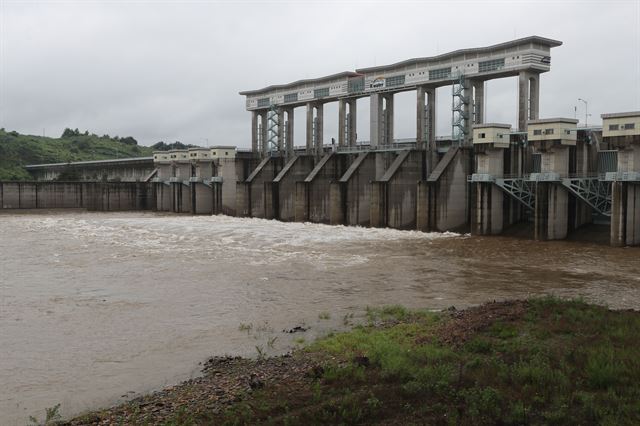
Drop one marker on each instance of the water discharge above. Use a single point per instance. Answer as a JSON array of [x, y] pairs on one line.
[[95, 308]]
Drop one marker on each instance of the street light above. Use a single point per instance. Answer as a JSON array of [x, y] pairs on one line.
[[586, 112]]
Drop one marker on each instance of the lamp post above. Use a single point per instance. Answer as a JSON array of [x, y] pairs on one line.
[[586, 112]]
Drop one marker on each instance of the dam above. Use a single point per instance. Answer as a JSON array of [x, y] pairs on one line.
[[485, 178]]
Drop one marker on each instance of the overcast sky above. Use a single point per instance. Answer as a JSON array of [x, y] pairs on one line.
[[159, 70]]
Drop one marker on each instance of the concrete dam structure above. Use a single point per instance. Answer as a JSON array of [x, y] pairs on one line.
[[482, 179]]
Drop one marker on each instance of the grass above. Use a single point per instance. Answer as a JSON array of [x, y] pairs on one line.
[[560, 362], [541, 362], [17, 150]]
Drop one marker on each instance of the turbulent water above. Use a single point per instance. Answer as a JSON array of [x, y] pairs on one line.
[[95, 308]]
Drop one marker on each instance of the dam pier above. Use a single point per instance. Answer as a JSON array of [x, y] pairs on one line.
[[483, 178]]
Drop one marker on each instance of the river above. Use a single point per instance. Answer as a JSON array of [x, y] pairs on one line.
[[96, 308]]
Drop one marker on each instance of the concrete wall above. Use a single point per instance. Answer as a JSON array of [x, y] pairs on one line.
[[120, 196], [551, 212], [284, 189], [625, 214], [164, 197], [351, 194], [314, 201], [113, 196], [443, 198], [123, 172], [394, 196], [250, 194], [202, 196]]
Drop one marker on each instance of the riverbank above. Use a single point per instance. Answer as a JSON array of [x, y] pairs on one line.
[[541, 361]]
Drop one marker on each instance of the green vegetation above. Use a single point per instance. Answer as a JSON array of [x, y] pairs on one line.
[[551, 362], [537, 362], [18, 150], [52, 417]]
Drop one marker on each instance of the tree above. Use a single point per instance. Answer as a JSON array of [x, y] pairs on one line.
[[129, 141], [68, 133]]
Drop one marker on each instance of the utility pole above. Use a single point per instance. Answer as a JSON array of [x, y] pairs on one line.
[[586, 112]]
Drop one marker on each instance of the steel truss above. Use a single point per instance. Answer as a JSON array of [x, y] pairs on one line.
[[520, 189], [591, 190]]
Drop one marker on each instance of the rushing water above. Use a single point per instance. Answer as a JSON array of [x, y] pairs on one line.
[[96, 307]]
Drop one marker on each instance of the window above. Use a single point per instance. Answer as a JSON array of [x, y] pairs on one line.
[[356, 84], [537, 132], [396, 80], [263, 102], [439, 73], [548, 131], [319, 93], [629, 126], [226, 153], [291, 97], [614, 126], [491, 65], [482, 135]]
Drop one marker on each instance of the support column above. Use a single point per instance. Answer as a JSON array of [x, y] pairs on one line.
[[254, 132], [478, 102], [352, 122], [264, 131], [534, 96], [289, 131], [319, 129], [309, 128], [388, 119], [281, 130], [342, 122], [421, 119], [431, 119], [375, 122], [528, 98]]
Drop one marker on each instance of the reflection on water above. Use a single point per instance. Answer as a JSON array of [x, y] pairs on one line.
[[93, 306]]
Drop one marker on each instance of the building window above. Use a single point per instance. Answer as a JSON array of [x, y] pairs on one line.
[[491, 65], [439, 73], [396, 80], [263, 102], [319, 93], [291, 97], [356, 84], [629, 126], [548, 131], [226, 153], [482, 135], [537, 132], [614, 127]]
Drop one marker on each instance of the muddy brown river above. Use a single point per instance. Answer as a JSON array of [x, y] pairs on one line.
[[97, 308]]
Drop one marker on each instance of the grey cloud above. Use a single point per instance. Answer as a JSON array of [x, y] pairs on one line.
[[172, 70]]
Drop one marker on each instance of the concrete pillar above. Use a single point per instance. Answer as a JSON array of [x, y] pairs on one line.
[[487, 199], [478, 102], [265, 125], [281, 129], [352, 117], [309, 128], [289, 132], [528, 98], [431, 119], [534, 96], [319, 124], [388, 119], [625, 214], [376, 121], [342, 122], [254, 131], [421, 119]]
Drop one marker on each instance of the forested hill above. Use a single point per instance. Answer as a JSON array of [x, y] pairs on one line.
[[18, 150]]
